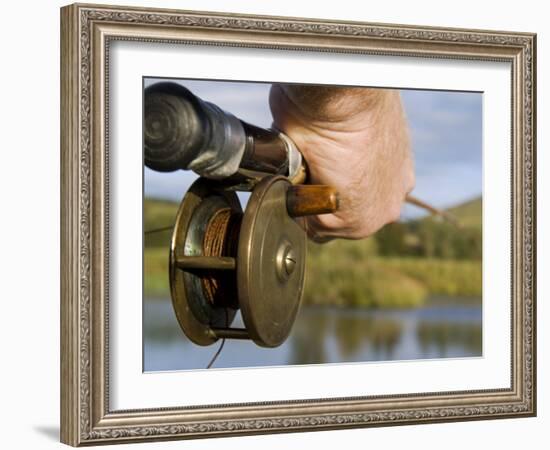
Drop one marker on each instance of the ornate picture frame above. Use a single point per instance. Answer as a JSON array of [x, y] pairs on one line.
[[87, 32]]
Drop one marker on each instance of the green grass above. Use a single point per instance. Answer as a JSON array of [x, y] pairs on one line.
[[364, 284], [155, 276], [446, 277], [349, 273], [345, 273]]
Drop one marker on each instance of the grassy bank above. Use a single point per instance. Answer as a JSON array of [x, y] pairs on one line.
[[447, 277], [390, 282], [351, 273], [337, 280], [346, 273]]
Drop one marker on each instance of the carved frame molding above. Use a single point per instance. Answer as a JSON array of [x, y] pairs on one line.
[[86, 32]]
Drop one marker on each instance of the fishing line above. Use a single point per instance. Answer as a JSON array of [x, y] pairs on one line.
[[221, 345], [158, 230]]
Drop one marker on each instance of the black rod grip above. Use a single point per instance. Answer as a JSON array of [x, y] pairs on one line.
[[176, 127], [181, 131]]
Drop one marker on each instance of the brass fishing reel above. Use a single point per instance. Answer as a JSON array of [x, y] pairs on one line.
[[223, 259]]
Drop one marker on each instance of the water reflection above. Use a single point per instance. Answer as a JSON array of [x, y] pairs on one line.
[[443, 336], [308, 340], [354, 332], [324, 335]]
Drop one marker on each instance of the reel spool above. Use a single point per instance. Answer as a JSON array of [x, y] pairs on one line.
[[223, 260]]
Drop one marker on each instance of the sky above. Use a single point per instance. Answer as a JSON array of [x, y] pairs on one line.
[[445, 127]]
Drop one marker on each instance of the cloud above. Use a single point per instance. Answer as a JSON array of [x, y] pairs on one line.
[[446, 127]]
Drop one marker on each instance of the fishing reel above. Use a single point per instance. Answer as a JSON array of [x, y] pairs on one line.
[[224, 259]]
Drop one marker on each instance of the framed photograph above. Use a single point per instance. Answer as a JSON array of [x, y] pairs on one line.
[[284, 224]]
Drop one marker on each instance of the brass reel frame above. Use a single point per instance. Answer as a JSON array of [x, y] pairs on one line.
[[223, 260]]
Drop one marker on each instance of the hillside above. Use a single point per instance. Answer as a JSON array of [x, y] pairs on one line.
[[469, 214]]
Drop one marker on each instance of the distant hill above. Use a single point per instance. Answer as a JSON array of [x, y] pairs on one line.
[[469, 214]]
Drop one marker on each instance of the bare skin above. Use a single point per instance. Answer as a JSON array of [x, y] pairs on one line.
[[356, 140]]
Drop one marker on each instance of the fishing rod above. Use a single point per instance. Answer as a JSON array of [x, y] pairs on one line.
[[224, 259], [182, 131]]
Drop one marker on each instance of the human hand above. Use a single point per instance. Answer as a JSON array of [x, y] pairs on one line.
[[356, 140]]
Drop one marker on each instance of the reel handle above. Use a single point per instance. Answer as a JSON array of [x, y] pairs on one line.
[[311, 199]]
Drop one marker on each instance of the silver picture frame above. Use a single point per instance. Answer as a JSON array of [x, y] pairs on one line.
[[87, 31]]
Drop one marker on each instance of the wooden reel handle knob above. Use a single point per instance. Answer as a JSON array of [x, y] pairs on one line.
[[311, 199]]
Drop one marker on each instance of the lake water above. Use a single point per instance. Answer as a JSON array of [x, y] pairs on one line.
[[443, 329]]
